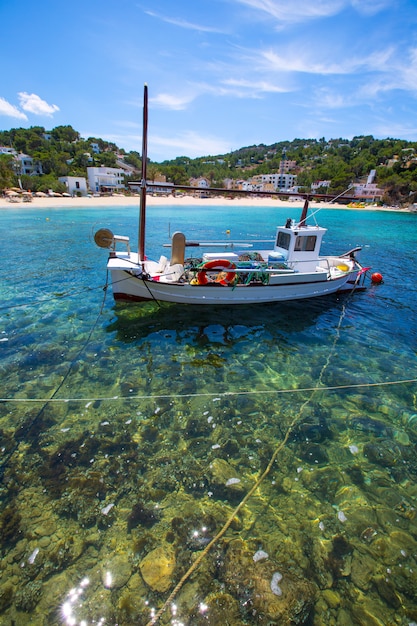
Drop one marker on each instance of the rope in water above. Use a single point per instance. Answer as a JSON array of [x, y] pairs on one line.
[[223, 394], [256, 485]]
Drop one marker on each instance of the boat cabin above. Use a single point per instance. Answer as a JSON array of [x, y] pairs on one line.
[[300, 244]]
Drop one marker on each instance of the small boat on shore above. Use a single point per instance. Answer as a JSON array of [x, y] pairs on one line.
[[292, 268]]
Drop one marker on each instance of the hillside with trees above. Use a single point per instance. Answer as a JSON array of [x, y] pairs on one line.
[[63, 152]]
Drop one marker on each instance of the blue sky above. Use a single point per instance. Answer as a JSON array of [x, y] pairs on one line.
[[222, 74]]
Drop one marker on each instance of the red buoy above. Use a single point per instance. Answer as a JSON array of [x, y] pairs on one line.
[[377, 278]]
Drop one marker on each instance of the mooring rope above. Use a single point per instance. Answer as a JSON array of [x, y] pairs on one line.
[[221, 394], [256, 485], [46, 401]]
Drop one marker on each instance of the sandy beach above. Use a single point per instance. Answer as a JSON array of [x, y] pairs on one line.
[[122, 201]]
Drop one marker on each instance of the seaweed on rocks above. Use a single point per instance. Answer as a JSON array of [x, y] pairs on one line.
[[141, 515], [10, 530]]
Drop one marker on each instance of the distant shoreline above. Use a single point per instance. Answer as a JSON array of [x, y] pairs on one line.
[[123, 201]]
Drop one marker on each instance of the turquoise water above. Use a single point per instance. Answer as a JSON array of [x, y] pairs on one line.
[[130, 433]]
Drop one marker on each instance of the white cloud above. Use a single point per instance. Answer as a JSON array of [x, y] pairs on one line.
[[255, 87], [305, 61], [304, 10], [9, 110], [34, 104], [326, 99], [185, 24], [172, 102], [392, 129], [189, 143], [297, 10], [371, 7]]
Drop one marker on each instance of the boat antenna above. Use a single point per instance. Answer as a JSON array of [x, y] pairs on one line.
[[142, 206]]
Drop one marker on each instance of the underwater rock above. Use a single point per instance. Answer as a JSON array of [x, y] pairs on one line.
[[28, 597], [6, 596], [371, 426], [116, 572], [268, 592], [324, 481], [292, 605], [314, 453], [362, 569], [10, 530], [158, 567], [365, 617], [332, 598], [386, 453], [143, 516], [386, 590], [218, 608], [406, 582], [315, 428], [224, 477]]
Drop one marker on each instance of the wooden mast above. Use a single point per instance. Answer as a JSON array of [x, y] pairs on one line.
[[304, 213], [142, 209]]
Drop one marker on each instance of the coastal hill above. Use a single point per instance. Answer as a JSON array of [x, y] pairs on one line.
[[63, 152]]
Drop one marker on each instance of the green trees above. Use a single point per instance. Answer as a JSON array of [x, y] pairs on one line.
[[62, 152], [8, 177]]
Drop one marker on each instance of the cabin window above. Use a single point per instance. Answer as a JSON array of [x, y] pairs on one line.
[[283, 240], [305, 244]]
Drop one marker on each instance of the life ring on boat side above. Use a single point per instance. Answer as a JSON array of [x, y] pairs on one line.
[[223, 278]]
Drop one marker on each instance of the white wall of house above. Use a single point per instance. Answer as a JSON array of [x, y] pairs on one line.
[[76, 185], [105, 179], [29, 166]]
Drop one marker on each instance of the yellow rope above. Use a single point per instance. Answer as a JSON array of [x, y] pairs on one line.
[[262, 477]]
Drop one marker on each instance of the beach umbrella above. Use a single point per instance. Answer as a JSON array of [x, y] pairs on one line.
[[40, 194], [11, 193]]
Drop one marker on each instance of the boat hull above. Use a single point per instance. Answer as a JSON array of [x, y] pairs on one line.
[[128, 287]]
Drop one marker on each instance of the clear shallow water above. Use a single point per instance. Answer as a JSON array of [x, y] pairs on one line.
[[114, 488]]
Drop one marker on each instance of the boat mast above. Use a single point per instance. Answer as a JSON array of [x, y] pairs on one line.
[[142, 206], [303, 214]]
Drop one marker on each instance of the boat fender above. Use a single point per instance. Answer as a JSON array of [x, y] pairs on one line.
[[377, 278], [223, 278], [343, 267]]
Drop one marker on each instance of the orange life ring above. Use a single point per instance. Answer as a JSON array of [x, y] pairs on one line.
[[223, 278]]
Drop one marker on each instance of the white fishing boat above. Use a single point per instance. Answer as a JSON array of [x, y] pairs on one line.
[[292, 268]]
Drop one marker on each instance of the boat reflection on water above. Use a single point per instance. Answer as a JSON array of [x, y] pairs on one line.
[[220, 324]]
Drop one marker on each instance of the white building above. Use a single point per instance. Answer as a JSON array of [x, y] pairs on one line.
[[278, 181], [320, 183], [76, 185], [7, 150], [105, 179], [28, 166], [369, 190]]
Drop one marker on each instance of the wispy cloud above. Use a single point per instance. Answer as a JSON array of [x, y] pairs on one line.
[[305, 60], [398, 72], [34, 104], [384, 129], [9, 110], [256, 88], [173, 102], [297, 10], [326, 99], [372, 7], [304, 10], [176, 21], [190, 143]]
